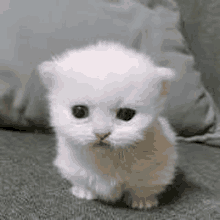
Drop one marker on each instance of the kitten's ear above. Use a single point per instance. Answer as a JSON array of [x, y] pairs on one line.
[[46, 71], [166, 73], [165, 88], [166, 76]]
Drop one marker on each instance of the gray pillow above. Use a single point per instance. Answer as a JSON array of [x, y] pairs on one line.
[[32, 38]]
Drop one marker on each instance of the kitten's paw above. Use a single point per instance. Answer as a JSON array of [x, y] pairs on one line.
[[144, 203], [82, 193]]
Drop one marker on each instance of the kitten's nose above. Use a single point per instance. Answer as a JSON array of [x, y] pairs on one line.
[[102, 136]]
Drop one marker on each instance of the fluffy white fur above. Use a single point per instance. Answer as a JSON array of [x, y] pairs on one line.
[[138, 155]]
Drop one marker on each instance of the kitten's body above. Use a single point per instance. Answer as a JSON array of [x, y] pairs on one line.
[[101, 154]]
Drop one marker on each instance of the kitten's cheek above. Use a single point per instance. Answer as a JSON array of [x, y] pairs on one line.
[[118, 143]]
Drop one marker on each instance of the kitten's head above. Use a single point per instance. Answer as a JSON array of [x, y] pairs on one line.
[[104, 94]]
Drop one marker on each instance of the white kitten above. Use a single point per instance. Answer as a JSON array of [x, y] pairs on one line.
[[104, 104]]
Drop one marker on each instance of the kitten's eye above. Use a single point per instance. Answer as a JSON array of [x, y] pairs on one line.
[[80, 111], [125, 114]]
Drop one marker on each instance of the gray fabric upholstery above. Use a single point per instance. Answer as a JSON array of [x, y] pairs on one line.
[[31, 188]]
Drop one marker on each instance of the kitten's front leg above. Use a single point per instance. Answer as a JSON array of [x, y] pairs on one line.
[[144, 197], [70, 169], [86, 189], [140, 201], [83, 193], [96, 186]]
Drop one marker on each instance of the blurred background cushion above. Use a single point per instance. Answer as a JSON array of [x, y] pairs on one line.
[[189, 108]]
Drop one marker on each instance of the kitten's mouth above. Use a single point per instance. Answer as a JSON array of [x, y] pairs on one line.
[[102, 144]]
